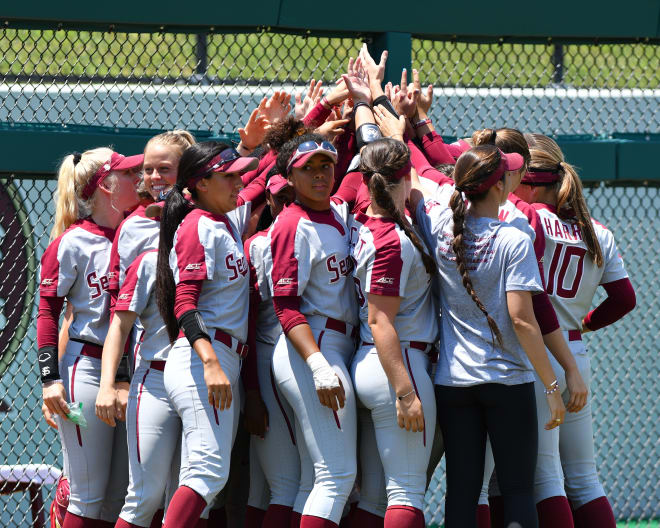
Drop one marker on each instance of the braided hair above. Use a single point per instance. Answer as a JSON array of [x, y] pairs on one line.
[[379, 161], [472, 168]]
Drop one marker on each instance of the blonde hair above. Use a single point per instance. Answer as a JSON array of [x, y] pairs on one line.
[[571, 205], [71, 180], [181, 139]]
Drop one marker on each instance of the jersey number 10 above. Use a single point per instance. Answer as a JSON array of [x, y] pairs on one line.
[[561, 259]]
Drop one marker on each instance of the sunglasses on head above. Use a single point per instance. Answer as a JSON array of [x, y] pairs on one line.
[[311, 146], [226, 156]]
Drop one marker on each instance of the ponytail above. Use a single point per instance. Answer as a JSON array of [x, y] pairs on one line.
[[570, 201], [458, 208], [546, 155], [379, 189], [508, 140], [72, 177], [174, 211]]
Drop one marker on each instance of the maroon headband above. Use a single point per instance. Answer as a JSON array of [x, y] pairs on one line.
[[396, 176], [101, 174], [508, 162], [540, 176]]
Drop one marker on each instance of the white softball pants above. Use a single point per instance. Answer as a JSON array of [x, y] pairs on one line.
[[404, 454], [207, 431], [154, 435], [329, 437], [96, 456], [276, 453]]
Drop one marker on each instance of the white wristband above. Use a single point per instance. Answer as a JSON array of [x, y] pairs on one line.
[[324, 376], [52, 382]]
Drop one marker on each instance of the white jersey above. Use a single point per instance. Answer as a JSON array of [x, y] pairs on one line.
[[387, 263], [310, 255], [522, 215], [268, 327], [208, 247], [571, 275], [135, 235], [138, 294], [75, 266]]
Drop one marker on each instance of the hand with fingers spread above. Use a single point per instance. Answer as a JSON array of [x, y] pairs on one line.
[[425, 97], [107, 403], [312, 97], [405, 99], [356, 82], [389, 125], [375, 72], [338, 94], [55, 398], [409, 412], [328, 386], [277, 107], [252, 135], [332, 128], [577, 389]]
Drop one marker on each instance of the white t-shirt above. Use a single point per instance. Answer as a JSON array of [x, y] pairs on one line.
[[571, 276], [499, 258]]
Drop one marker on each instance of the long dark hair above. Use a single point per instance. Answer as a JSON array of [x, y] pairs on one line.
[[176, 207], [472, 168], [379, 161]]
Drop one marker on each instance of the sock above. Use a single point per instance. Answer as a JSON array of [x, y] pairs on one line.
[[400, 516], [121, 523], [104, 524], [278, 515], [496, 505], [254, 517], [295, 520], [483, 516], [364, 519], [157, 521], [72, 520], [218, 518], [184, 509], [554, 511], [595, 514], [311, 521]]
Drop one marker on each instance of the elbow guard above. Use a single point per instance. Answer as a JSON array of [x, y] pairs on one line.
[[387, 104], [193, 326], [367, 133], [49, 369]]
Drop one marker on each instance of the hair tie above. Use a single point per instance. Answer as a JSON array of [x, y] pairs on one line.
[[76, 158], [459, 188], [494, 136], [559, 167], [179, 186]]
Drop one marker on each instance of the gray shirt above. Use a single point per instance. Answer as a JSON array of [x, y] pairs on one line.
[[500, 258]]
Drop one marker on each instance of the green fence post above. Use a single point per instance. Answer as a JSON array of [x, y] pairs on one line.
[[399, 46]]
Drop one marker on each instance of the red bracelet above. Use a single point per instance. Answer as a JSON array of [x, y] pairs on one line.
[[326, 104], [421, 123]]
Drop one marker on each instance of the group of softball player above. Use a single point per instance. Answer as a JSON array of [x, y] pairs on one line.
[[365, 295]]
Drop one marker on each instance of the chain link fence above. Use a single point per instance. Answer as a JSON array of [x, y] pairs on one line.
[[210, 82]]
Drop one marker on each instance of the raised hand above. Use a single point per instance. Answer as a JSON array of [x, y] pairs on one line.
[[375, 72], [312, 97], [425, 97], [252, 135], [357, 82], [277, 107], [405, 99], [389, 125]]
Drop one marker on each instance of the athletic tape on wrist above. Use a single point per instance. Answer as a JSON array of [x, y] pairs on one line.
[[367, 133], [387, 104]]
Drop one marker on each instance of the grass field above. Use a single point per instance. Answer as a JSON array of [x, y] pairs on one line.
[[279, 57]]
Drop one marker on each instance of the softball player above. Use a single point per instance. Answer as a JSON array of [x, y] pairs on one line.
[[202, 294], [274, 449], [94, 189], [580, 255], [398, 325], [314, 300], [484, 380]]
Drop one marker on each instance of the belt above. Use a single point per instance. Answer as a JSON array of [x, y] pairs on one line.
[[417, 345], [89, 349], [574, 335], [230, 342], [157, 365], [340, 326]]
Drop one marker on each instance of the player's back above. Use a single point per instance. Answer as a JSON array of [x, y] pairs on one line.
[[571, 275]]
